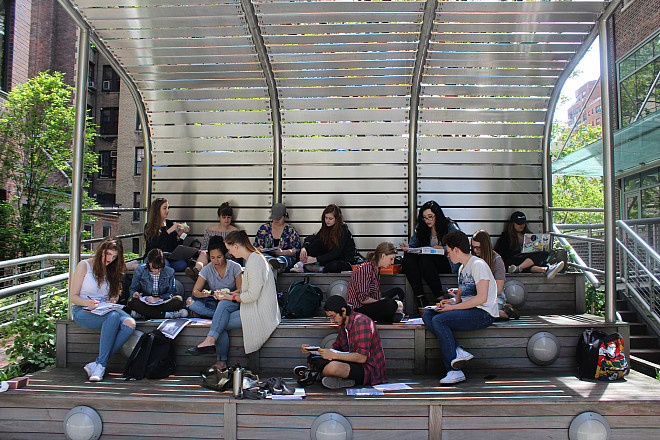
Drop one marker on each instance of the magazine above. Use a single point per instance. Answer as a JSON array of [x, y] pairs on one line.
[[172, 327]]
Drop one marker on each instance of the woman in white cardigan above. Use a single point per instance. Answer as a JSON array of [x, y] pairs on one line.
[[255, 309]]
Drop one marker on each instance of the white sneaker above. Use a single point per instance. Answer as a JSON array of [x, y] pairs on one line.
[[554, 269], [333, 382], [298, 267], [461, 359], [97, 375], [136, 315], [454, 376], [514, 269], [89, 369], [183, 313]]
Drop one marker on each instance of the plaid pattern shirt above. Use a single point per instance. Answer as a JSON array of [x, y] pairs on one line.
[[365, 283], [360, 335], [154, 280]]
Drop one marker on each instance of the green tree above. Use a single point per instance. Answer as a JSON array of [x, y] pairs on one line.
[[36, 135], [577, 191]]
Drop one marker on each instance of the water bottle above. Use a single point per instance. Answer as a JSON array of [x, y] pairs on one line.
[[238, 382]]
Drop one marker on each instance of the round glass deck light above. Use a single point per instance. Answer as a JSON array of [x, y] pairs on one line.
[[337, 287], [82, 423], [543, 348], [331, 426], [589, 426], [515, 293]]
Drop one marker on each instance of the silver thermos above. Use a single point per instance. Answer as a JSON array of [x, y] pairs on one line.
[[238, 382]]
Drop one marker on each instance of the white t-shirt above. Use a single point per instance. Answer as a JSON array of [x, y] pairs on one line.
[[216, 282], [469, 276]]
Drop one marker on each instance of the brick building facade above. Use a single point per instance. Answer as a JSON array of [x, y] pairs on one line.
[[592, 114]]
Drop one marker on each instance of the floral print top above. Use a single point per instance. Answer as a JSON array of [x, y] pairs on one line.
[[289, 239]]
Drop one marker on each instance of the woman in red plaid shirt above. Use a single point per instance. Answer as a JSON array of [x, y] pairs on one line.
[[356, 357]]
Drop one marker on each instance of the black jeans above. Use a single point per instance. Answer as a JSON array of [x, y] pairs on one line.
[[158, 311], [418, 267], [538, 257], [384, 309]]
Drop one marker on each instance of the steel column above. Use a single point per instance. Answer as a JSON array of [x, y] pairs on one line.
[[418, 72], [608, 172], [78, 149], [262, 54]]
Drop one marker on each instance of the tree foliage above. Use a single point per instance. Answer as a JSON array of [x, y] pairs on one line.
[[36, 135], [577, 191]]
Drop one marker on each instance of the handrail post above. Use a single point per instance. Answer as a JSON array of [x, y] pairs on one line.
[[608, 171], [78, 150]]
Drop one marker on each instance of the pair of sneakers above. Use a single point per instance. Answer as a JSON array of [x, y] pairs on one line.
[[308, 377], [94, 371], [456, 375], [550, 272]]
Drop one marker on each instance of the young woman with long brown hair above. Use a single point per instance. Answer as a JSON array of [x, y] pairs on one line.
[[224, 227], [96, 280], [164, 234], [332, 248]]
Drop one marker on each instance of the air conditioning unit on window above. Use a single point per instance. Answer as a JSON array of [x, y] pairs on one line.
[[91, 85], [107, 85]]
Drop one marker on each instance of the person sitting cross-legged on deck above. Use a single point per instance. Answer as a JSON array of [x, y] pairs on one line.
[[356, 357], [364, 288], [153, 292], [473, 308]]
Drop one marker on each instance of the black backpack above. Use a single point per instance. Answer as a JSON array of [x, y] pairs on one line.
[[303, 300], [153, 357], [600, 356]]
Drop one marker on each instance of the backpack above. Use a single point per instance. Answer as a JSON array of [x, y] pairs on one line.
[[600, 356], [153, 357], [302, 300]]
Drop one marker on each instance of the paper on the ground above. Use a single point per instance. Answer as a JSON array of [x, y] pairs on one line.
[[297, 395], [392, 386], [154, 303], [105, 307], [172, 327], [363, 392], [416, 321]]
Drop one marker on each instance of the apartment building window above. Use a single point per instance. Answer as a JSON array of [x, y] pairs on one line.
[[139, 158], [4, 44], [636, 73], [107, 230], [109, 121], [642, 194], [108, 164], [136, 245], [88, 229], [110, 79], [138, 123], [136, 204]]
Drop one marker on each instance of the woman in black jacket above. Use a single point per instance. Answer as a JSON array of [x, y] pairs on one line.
[[332, 248], [164, 234]]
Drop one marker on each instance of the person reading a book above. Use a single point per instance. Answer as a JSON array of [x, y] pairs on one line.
[[364, 287], [482, 247], [95, 281], [255, 309], [164, 234], [153, 293], [332, 249], [474, 307], [432, 225], [222, 275], [281, 238], [224, 227], [510, 245], [356, 357]]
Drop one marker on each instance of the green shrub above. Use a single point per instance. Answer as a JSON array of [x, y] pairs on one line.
[[595, 300], [11, 371]]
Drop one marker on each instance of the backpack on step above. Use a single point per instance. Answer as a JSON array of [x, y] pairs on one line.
[[303, 300], [153, 357], [601, 356]]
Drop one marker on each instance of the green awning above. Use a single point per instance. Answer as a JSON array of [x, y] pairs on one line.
[[635, 146]]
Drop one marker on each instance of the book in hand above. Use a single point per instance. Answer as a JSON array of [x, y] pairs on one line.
[[172, 327], [426, 250], [270, 249], [313, 349], [104, 307]]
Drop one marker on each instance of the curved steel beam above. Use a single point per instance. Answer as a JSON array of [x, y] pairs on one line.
[[262, 53], [415, 87]]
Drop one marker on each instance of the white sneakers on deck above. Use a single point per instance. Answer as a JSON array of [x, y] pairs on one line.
[[183, 313], [454, 376], [97, 374], [554, 269], [461, 359], [89, 369]]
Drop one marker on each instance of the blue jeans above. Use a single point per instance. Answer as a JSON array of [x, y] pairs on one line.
[[114, 333], [177, 265], [204, 306], [284, 259], [227, 317], [442, 325]]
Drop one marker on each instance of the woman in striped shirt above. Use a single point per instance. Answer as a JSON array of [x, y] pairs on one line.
[[364, 288]]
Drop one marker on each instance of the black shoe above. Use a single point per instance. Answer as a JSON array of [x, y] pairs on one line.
[[397, 317], [423, 302], [192, 273], [277, 265], [197, 351], [511, 311], [300, 370], [308, 378]]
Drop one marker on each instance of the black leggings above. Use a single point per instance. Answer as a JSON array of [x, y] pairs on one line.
[[418, 267], [158, 311], [384, 309], [539, 258]]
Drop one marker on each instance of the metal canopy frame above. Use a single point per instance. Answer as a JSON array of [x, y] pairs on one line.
[[377, 105]]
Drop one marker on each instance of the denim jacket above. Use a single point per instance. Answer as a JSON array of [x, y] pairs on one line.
[[143, 285]]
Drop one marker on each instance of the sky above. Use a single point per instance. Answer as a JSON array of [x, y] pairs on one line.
[[590, 70]]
